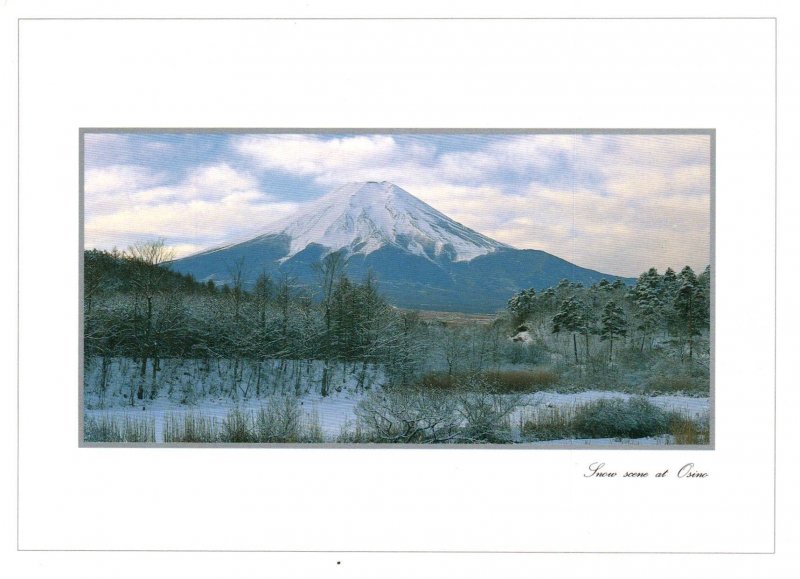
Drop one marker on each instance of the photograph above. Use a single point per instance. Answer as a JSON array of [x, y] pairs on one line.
[[359, 287]]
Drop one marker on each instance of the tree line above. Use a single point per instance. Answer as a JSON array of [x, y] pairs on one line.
[[673, 305], [135, 307]]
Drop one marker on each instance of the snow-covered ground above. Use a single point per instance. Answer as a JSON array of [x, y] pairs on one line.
[[685, 404], [334, 413]]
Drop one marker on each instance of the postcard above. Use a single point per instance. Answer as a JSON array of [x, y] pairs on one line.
[[343, 286], [406, 287]]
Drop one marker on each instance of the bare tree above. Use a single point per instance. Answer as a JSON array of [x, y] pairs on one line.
[[148, 259], [329, 271]]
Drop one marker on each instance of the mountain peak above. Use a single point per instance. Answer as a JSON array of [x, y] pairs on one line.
[[362, 217], [367, 193]]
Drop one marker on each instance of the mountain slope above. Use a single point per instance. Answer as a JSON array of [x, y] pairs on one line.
[[360, 218], [421, 258]]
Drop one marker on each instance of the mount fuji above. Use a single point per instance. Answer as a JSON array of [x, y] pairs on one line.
[[421, 258]]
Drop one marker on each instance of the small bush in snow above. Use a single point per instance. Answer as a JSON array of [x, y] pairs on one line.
[[486, 416], [409, 416], [474, 414], [618, 418], [236, 427], [279, 421]]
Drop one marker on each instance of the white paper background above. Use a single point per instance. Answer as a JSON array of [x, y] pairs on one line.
[[520, 74]]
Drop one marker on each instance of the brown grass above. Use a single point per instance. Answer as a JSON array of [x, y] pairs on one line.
[[522, 380], [548, 423], [675, 384], [501, 382], [689, 431]]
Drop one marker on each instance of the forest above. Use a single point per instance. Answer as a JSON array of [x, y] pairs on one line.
[[276, 361]]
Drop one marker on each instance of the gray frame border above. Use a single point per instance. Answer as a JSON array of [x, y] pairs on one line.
[[775, 296], [711, 133]]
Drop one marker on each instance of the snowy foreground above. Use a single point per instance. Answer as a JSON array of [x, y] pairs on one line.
[[185, 390]]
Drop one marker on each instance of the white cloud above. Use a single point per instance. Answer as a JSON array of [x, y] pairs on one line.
[[119, 179], [310, 155], [615, 203], [211, 206]]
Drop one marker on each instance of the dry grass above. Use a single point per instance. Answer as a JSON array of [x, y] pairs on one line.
[[190, 428], [522, 380], [279, 422], [548, 423], [677, 384], [126, 429], [687, 430]]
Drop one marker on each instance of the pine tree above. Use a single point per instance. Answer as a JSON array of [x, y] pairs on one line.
[[689, 307], [570, 318], [613, 325], [647, 304], [521, 305]]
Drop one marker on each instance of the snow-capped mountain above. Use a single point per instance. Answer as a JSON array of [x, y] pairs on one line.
[[360, 218], [422, 259]]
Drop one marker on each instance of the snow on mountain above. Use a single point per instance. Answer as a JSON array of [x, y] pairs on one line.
[[361, 218]]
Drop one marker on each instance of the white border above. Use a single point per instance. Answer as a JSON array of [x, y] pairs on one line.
[[727, 103]]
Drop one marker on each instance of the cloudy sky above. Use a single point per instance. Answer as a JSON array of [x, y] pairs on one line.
[[615, 203]]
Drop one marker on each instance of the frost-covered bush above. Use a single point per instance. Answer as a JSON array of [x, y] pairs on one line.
[[237, 427], [409, 416], [280, 420], [474, 414], [486, 416], [618, 418]]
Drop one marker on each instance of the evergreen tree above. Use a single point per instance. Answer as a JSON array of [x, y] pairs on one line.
[[570, 318], [613, 325], [648, 307], [521, 305], [690, 314]]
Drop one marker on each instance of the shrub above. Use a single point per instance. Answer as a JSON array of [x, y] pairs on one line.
[[279, 421], [236, 427], [613, 418], [618, 418], [408, 416], [474, 414], [486, 416]]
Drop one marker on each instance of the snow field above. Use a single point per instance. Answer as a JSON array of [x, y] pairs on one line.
[[204, 390]]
